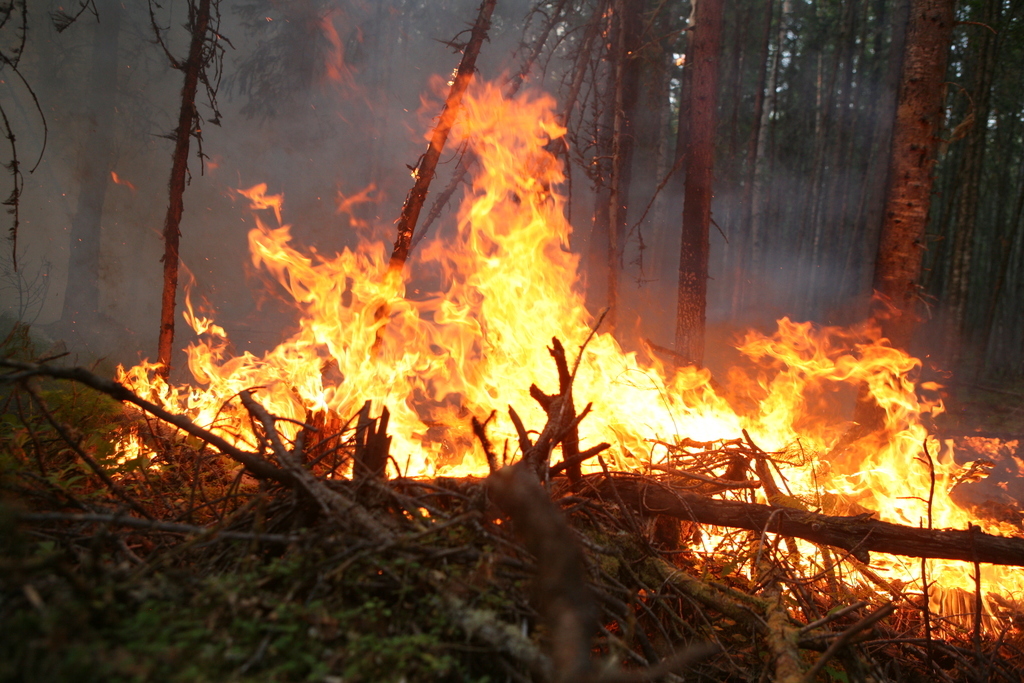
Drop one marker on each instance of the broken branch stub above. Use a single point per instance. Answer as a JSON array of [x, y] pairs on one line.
[[372, 444]]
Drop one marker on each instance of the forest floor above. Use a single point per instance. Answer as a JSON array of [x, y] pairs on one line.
[[180, 567], [985, 409]]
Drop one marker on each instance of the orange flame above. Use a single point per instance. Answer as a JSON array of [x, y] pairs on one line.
[[346, 205], [118, 180], [335, 68], [510, 284]]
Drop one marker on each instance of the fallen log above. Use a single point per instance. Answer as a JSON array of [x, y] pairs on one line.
[[858, 534]]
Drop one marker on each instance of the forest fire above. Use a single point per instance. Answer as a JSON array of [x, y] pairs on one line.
[[693, 353], [510, 284]]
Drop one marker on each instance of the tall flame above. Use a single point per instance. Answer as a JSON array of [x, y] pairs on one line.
[[509, 283]]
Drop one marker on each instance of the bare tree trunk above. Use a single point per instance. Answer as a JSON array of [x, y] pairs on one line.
[[883, 113], [744, 255], [827, 147], [1008, 239], [428, 162], [693, 256], [649, 117], [832, 224], [82, 297], [919, 114], [969, 179], [759, 184], [600, 172], [199, 23]]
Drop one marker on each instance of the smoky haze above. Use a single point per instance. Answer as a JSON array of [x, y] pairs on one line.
[[328, 101]]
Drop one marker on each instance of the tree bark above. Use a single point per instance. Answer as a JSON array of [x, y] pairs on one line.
[[199, 23], [915, 136], [691, 304], [649, 117], [883, 113]]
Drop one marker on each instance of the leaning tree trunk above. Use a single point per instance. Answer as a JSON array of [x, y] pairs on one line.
[[179, 169], [428, 162], [914, 142], [700, 146], [82, 299]]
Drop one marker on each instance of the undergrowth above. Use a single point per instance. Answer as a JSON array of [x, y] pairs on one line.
[[171, 563]]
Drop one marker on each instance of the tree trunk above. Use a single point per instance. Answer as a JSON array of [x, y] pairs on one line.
[[1008, 242], [648, 116], [858, 534], [833, 225], [693, 256], [883, 113], [624, 99], [428, 162], [760, 178], [919, 113], [199, 23], [744, 255], [831, 96], [82, 297], [969, 180]]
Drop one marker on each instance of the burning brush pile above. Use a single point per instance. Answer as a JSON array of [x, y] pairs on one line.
[[476, 482]]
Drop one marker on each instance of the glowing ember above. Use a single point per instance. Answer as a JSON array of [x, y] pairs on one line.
[[510, 284]]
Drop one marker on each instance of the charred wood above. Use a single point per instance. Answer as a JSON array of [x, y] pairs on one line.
[[859, 534]]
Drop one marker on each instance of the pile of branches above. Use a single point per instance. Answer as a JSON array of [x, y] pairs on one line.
[[300, 559]]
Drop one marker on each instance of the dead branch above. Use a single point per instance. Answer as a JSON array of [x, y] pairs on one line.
[[845, 638], [331, 501], [86, 458], [691, 655], [562, 594], [714, 596], [428, 162], [152, 525], [859, 534], [720, 483], [372, 444], [256, 465]]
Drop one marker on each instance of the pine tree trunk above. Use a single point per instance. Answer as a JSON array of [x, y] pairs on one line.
[[691, 304], [648, 116], [760, 180], [179, 169], [1007, 241], [82, 297], [969, 179], [827, 133], [622, 147], [883, 113], [744, 253], [919, 114]]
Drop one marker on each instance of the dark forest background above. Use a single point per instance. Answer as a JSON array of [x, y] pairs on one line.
[[324, 99]]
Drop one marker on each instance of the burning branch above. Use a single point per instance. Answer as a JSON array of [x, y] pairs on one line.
[[424, 172], [256, 465], [859, 534]]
